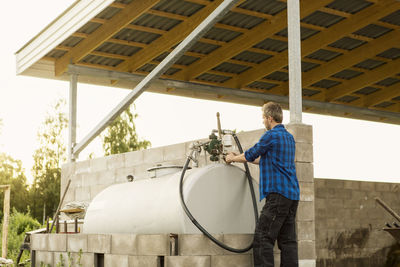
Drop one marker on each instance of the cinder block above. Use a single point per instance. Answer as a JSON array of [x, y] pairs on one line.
[[98, 164], [383, 187], [44, 257], [153, 155], [105, 178], [67, 170], [39, 241], [186, 261], [149, 245], [60, 259], [301, 132], [305, 172], [99, 243], [124, 244], [82, 166], [333, 183], [144, 261], [198, 244], [305, 211], [134, 158], [174, 152], [85, 259], [115, 161], [232, 261], [305, 230], [77, 242], [304, 152], [122, 173], [367, 186], [82, 194], [57, 242], [307, 250], [306, 191], [238, 241], [307, 263], [115, 260], [351, 185], [96, 189]]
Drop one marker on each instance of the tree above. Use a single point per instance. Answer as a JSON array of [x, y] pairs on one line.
[[48, 158], [121, 136], [11, 172]]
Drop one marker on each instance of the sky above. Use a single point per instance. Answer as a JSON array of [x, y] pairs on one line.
[[343, 148]]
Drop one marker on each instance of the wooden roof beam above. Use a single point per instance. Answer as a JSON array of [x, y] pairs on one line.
[[115, 24], [350, 59], [319, 40], [245, 41], [168, 40], [366, 79]]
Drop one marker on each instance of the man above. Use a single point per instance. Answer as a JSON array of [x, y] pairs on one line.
[[274, 152]]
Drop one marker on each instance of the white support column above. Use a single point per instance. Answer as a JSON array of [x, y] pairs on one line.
[[295, 88], [73, 84]]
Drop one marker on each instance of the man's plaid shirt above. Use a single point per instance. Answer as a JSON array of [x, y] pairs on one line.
[[277, 169]]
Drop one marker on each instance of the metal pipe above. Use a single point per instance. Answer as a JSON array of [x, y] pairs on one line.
[[73, 85], [387, 208]]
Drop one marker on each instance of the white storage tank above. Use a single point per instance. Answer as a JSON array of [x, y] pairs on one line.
[[217, 195]]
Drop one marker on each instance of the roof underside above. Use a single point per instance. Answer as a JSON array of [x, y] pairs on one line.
[[350, 48]]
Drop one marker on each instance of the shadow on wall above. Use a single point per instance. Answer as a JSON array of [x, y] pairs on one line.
[[349, 243]]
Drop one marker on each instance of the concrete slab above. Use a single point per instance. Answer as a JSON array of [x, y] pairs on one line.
[[144, 261], [232, 261], [124, 244], [77, 242], [99, 243], [149, 245], [184, 261]]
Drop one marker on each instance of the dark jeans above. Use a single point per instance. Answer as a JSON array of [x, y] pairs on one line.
[[276, 222]]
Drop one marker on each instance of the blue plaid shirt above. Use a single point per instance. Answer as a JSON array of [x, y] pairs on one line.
[[277, 169]]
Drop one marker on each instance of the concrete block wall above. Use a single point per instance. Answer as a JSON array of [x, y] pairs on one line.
[[129, 250], [349, 222]]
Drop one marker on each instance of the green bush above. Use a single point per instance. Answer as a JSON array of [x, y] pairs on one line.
[[19, 224]]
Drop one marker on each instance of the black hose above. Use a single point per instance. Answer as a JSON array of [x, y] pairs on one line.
[[198, 225]]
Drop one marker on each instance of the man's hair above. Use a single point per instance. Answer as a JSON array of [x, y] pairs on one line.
[[274, 110]]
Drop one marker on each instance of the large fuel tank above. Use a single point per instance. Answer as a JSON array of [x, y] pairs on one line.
[[217, 195]]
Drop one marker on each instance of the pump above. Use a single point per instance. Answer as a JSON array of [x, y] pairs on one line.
[[217, 147]]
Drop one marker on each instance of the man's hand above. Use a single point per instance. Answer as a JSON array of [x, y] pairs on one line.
[[229, 158]]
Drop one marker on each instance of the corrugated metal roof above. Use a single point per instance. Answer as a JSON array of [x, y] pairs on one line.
[[373, 31], [203, 48], [309, 92], [231, 68], [369, 64], [222, 35], [271, 7], [99, 60], [325, 83], [252, 57], [55, 53], [347, 98], [384, 104], [71, 41], [262, 85], [347, 74], [208, 77], [392, 53], [305, 33], [241, 20], [89, 27], [347, 43], [347, 6], [118, 49], [179, 7], [272, 45], [393, 18], [157, 22], [367, 90], [388, 81], [396, 98], [278, 76], [108, 13], [322, 19], [136, 36], [324, 55], [306, 66]]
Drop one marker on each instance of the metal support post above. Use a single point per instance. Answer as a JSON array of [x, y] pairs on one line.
[[295, 88], [6, 216], [192, 38], [73, 84]]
